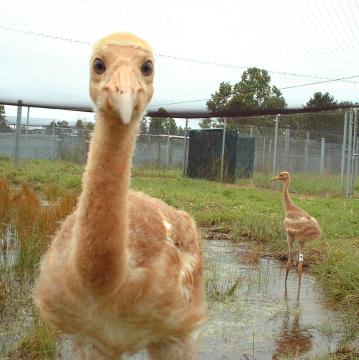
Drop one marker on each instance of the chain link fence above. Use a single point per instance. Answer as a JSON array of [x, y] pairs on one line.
[[319, 149]]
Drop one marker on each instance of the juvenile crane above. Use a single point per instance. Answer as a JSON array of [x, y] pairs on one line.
[[299, 226], [124, 272]]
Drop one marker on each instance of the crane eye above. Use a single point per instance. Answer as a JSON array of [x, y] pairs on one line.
[[99, 66], [147, 68]]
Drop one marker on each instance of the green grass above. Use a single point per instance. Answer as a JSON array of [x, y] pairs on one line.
[[40, 172], [38, 343], [327, 185], [247, 213]]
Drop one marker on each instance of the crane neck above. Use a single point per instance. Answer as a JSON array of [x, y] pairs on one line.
[[288, 203]]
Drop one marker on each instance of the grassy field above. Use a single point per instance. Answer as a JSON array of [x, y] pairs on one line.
[[238, 211]]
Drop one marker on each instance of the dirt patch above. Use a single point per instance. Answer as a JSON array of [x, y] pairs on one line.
[[216, 232], [312, 257]]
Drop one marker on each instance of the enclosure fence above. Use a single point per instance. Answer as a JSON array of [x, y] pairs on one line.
[[321, 144]]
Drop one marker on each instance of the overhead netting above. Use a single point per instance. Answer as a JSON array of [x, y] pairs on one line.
[[305, 46]]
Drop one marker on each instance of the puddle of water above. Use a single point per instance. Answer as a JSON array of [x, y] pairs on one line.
[[253, 319], [8, 247], [260, 322]]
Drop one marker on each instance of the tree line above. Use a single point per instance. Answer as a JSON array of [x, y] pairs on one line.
[[255, 91]]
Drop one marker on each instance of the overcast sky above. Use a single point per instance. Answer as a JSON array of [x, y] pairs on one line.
[[45, 46]]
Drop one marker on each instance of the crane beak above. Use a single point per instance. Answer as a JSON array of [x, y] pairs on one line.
[[124, 105], [275, 178], [122, 96]]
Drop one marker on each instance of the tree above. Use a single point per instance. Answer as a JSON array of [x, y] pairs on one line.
[[209, 123], [170, 126], [321, 100], [220, 100], [163, 124], [4, 127], [80, 124], [253, 91], [143, 126], [156, 125], [181, 131], [348, 103], [62, 124], [89, 125]]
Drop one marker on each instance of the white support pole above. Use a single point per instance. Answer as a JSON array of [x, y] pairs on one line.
[[185, 153], [354, 155], [167, 148], [356, 168], [251, 131], [306, 153], [27, 121], [18, 132], [344, 148], [223, 147], [264, 153], [270, 148], [322, 156], [286, 147], [53, 140], [274, 168], [350, 156]]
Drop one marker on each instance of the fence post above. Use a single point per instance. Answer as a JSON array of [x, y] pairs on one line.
[[322, 155], [356, 158], [349, 159], [223, 147], [274, 168], [306, 153], [270, 148], [185, 149], [18, 132], [27, 121], [53, 140], [167, 148], [286, 147], [264, 153], [354, 152], [344, 145], [149, 157], [159, 150]]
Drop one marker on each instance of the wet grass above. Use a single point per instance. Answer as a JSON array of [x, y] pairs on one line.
[[27, 227], [38, 343], [220, 287], [243, 212]]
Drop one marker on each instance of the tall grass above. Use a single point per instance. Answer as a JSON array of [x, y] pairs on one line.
[[5, 201], [38, 343], [33, 223]]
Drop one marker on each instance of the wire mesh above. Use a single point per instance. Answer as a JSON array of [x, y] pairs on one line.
[[307, 144]]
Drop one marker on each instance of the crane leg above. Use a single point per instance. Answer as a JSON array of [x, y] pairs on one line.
[[290, 241], [300, 267]]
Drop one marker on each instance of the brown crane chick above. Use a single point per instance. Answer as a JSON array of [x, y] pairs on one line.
[[298, 225], [125, 271]]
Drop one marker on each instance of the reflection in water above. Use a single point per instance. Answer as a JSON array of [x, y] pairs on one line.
[[8, 247], [293, 339]]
